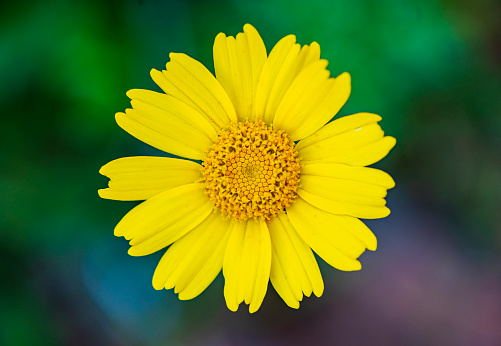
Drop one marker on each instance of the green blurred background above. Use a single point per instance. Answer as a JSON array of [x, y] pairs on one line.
[[431, 68]]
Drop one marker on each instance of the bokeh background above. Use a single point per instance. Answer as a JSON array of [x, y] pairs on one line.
[[431, 68]]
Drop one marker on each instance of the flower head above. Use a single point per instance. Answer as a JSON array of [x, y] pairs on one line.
[[274, 180]]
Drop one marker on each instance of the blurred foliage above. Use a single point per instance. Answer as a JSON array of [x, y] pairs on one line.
[[430, 68]]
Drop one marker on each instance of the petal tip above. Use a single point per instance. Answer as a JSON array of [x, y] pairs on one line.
[[248, 26], [102, 193], [133, 251], [220, 36], [156, 285], [392, 141], [155, 74], [345, 76]]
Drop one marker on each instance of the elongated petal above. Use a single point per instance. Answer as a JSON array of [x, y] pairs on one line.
[[341, 171], [284, 64], [354, 140], [247, 263], [311, 101], [294, 269], [193, 262], [344, 197], [189, 81], [349, 190], [326, 235], [141, 177], [168, 124], [164, 218], [174, 107], [238, 64]]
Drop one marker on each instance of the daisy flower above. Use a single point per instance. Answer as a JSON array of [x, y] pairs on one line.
[[267, 178]]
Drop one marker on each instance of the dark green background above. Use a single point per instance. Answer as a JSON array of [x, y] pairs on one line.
[[430, 68]]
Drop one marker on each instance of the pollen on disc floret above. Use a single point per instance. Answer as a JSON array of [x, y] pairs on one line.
[[252, 171]]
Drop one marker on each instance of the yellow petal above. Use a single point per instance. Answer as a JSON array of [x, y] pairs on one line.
[[325, 235], [344, 198], [193, 262], [284, 64], [164, 218], [246, 266], [344, 172], [354, 140], [294, 269], [163, 130], [311, 101], [238, 64], [189, 81], [173, 107], [346, 190], [141, 177]]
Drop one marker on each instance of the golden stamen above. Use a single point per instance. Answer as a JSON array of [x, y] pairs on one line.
[[251, 171]]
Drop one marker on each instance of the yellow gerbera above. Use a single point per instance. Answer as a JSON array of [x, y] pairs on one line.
[[275, 182]]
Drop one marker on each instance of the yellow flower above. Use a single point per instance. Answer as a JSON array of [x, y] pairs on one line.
[[276, 180]]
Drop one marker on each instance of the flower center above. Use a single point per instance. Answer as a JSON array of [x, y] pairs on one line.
[[252, 170]]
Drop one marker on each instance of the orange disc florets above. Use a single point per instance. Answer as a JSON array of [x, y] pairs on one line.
[[252, 170]]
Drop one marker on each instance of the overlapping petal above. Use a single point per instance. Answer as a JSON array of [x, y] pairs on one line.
[[238, 63], [294, 269], [168, 124], [164, 218], [311, 101], [290, 90], [189, 81], [193, 262], [346, 190], [247, 263], [141, 177], [354, 140], [338, 239], [286, 60]]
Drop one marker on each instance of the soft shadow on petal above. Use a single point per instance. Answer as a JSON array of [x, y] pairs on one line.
[[294, 269], [189, 81]]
